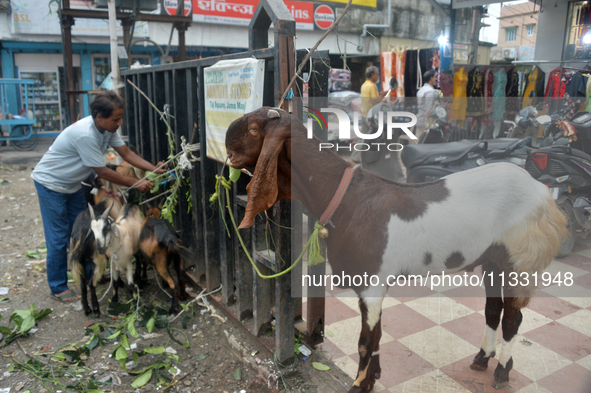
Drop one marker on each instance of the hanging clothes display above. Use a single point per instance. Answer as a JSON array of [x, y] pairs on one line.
[[411, 73], [400, 64], [499, 100], [387, 71], [588, 107], [447, 84], [512, 102], [428, 59], [475, 93], [533, 90], [575, 91], [460, 102], [489, 81]]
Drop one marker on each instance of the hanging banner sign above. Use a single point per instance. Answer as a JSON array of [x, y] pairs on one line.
[[232, 88], [171, 6], [471, 3]]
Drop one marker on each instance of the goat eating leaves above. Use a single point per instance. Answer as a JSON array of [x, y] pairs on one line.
[[496, 216]]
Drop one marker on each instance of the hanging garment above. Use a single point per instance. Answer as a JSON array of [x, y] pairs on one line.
[[475, 93], [588, 108], [460, 102], [489, 81], [575, 91], [530, 96], [447, 83], [387, 71], [540, 80], [428, 59], [400, 62], [410, 74], [499, 95], [512, 102]]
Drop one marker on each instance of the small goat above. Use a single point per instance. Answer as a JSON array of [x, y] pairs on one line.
[[120, 240], [496, 216], [83, 250], [160, 245]]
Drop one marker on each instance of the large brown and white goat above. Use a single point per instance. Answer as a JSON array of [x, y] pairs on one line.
[[496, 216], [119, 239]]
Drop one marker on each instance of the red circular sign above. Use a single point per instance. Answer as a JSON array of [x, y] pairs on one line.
[[171, 7], [324, 17]]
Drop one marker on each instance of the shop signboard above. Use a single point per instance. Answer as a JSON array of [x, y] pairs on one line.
[[170, 7], [232, 89], [42, 17], [324, 17], [471, 3], [240, 13]]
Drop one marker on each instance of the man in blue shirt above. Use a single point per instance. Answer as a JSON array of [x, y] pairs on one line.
[[72, 157]]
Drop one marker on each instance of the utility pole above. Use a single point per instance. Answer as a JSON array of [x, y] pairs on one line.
[[477, 14], [113, 40]]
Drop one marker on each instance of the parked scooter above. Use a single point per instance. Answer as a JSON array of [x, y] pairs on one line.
[[566, 170], [441, 130]]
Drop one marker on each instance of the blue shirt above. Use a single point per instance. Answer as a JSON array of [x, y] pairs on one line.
[[74, 153]]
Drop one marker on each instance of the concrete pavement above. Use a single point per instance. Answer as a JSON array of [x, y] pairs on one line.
[[10, 156]]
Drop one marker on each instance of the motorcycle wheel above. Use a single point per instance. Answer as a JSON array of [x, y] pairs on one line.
[[567, 246]]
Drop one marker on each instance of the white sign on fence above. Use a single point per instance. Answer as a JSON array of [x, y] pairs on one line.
[[471, 3], [232, 88]]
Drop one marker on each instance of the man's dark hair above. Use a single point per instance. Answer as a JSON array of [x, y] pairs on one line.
[[105, 103], [428, 75], [369, 71]]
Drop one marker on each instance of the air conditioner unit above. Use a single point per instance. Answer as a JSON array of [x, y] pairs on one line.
[[509, 53]]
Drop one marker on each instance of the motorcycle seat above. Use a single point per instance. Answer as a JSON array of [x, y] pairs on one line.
[[582, 123], [418, 154], [500, 143]]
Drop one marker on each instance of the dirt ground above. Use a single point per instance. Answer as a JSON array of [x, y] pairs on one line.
[[208, 365]]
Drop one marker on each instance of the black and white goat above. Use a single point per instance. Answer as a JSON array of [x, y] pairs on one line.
[[496, 216], [120, 240], [83, 251]]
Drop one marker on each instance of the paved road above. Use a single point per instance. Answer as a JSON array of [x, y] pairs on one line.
[[9, 155]]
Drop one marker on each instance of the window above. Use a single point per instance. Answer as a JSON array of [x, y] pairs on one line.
[[530, 30], [511, 34]]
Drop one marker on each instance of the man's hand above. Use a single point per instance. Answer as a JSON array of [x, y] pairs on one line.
[[144, 186], [161, 170], [383, 93]]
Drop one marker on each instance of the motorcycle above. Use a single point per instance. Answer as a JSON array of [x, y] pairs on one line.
[[566, 170], [441, 130]]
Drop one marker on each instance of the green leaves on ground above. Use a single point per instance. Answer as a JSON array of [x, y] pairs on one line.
[[23, 321], [320, 366], [142, 379]]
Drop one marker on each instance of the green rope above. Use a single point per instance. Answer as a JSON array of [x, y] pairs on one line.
[[314, 257]]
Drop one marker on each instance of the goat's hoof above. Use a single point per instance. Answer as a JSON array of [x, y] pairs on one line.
[[502, 375], [96, 313], [360, 389], [480, 362], [377, 375], [173, 310], [183, 296], [87, 311]]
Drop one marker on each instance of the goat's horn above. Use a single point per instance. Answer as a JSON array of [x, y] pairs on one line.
[[91, 211], [106, 213], [273, 114]]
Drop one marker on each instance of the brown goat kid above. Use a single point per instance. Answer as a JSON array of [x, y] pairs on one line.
[[496, 216], [160, 245]]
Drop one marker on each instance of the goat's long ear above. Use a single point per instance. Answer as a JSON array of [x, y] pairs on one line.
[[106, 213], [91, 212], [263, 189]]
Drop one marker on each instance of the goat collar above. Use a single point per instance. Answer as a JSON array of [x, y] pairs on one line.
[[337, 197], [111, 194]]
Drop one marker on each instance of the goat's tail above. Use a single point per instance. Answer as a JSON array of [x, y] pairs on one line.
[[534, 242], [178, 248]]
